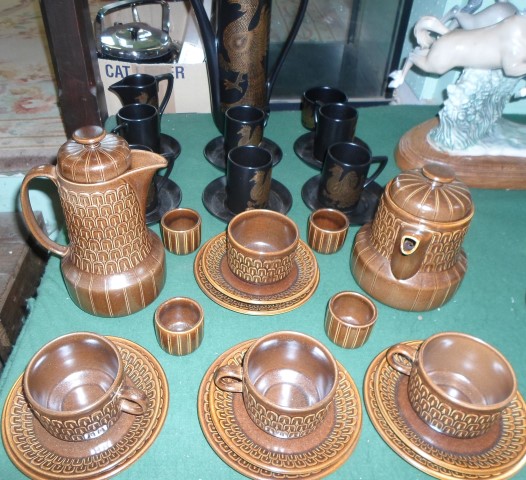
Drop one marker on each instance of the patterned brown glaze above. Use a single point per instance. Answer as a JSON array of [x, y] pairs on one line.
[[77, 388], [261, 246], [325, 447], [350, 319], [181, 230], [327, 230], [113, 265], [232, 434], [458, 384], [496, 455], [250, 306], [301, 279], [411, 257], [288, 382], [179, 325], [40, 455]]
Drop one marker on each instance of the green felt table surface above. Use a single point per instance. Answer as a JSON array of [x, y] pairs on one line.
[[489, 304]]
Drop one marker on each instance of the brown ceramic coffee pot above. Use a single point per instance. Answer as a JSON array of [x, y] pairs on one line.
[[114, 265], [410, 257]]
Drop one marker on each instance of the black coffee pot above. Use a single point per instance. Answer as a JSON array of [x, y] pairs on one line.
[[236, 55]]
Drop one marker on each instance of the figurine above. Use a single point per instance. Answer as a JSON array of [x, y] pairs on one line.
[[489, 47]]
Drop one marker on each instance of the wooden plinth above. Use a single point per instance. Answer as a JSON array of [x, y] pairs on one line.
[[498, 172]]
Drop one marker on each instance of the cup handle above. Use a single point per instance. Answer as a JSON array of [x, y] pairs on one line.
[[405, 351], [133, 400], [119, 127], [169, 88], [229, 378], [382, 162]]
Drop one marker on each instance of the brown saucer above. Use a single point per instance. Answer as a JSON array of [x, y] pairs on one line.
[[39, 455], [497, 455], [298, 282], [246, 307], [247, 449]]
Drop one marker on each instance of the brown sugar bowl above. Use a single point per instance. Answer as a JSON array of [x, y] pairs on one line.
[[410, 257], [261, 246]]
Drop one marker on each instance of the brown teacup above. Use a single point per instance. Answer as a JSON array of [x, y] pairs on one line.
[[77, 388], [261, 246], [458, 384], [181, 230], [179, 325], [288, 381], [350, 319], [326, 230]]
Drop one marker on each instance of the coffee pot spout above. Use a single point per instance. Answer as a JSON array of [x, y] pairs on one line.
[[409, 253]]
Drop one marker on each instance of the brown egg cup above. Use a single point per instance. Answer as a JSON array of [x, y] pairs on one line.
[[350, 319], [181, 230], [179, 325]]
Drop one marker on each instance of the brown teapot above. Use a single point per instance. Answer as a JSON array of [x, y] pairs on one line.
[[410, 257], [114, 265]]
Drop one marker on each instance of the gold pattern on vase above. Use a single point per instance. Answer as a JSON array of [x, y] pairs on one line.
[[249, 136], [260, 192], [246, 50], [340, 188]]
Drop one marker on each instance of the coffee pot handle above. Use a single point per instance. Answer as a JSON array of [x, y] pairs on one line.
[[169, 88], [229, 378], [46, 171]]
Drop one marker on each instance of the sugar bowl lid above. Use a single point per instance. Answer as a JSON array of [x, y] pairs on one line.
[[432, 193], [93, 156]]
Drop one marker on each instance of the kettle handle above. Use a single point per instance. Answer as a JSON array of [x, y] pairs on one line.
[[46, 171], [409, 250]]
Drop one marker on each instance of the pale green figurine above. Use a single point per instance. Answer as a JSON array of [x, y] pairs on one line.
[[489, 46]]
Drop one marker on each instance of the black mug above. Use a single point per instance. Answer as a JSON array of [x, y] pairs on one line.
[[335, 122], [344, 175], [244, 125], [248, 178], [315, 97], [140, 124]]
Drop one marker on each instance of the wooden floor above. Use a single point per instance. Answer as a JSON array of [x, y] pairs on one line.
[[21, 267]]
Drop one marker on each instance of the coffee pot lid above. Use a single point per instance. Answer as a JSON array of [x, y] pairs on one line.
[[93, 156], [432, 193]]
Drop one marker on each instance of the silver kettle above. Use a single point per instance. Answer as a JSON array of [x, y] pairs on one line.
[[135, 42]]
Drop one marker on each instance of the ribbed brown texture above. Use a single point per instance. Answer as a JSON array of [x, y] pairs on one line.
[[327, 230], [350, 319], [181, 231], [179, 325]]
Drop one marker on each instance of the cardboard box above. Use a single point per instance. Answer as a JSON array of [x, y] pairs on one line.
[[191, 93]]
